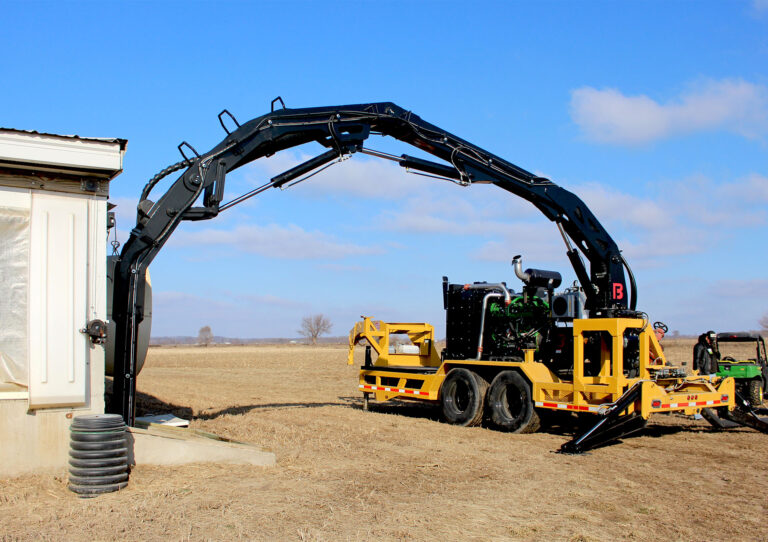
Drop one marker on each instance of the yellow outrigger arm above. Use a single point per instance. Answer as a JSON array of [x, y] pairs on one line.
[[631, 411]]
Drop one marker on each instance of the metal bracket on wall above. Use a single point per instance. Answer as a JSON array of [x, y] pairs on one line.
[[96, 330], [89, 185]]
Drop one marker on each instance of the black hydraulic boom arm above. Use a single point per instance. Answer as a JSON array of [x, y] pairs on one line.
[[343, 129]]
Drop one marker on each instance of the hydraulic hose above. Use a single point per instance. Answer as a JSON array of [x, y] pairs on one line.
[[632, 284], [162, 174]]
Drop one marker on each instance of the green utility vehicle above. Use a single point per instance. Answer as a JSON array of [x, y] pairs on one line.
[[750, 373]]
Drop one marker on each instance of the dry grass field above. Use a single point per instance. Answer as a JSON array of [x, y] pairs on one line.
[[395, 473]]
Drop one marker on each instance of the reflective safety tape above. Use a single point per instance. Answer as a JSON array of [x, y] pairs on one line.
[[398, 390], [567, 406], [691, 404]]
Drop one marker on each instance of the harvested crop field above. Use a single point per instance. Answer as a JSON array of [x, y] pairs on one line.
[[394, 473]]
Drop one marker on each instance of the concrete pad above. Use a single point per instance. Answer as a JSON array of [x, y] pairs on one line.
[[168, 445]]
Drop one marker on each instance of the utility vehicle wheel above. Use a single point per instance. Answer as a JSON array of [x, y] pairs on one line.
[[755, 392], [511, 404], [463, 397]]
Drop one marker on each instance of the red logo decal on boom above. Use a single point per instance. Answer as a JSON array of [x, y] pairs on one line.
[[618, 290]]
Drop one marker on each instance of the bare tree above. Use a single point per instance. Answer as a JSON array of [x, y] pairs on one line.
[[205, 336], [764, 322], [314, 326]]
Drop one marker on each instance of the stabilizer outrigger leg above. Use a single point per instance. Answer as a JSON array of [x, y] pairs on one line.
[[612, 426], [748, 415], [716, 421]]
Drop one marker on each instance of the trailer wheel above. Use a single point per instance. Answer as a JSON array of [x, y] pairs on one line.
[[511, 404], [463, 397], [755, 392]]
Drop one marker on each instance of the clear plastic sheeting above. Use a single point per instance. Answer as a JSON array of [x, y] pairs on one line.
[[14, 288]]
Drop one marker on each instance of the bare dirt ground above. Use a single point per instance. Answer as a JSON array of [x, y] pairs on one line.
[[394, 473]]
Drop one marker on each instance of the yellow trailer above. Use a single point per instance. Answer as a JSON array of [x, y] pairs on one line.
[[618, 370]]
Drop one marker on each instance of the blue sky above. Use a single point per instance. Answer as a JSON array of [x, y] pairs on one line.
[[654, 113]]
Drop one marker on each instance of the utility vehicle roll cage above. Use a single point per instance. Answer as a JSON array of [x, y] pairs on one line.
[[343, 129]]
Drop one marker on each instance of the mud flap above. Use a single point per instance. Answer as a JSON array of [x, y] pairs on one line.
[[612, 426]]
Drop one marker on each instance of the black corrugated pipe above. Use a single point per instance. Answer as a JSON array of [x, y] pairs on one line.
[[98, 455]]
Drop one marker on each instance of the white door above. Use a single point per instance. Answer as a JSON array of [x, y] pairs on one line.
[[58, 300]]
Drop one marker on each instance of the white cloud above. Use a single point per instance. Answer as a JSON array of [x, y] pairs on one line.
[[274, 241], [700, 304], [609, 116], [657, 223], [701, 201], [610, 205], [344, 268], [678, 218], [653, 225], [413, 220], [538, 242], [175, 298], [656, 249], [444, 209], [265, 299], [755, 187]]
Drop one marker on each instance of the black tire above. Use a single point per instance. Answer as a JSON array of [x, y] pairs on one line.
[[755, 392], [462, 396], [511, 404]]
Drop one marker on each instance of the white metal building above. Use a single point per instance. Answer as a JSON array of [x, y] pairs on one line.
[[53, 238]]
